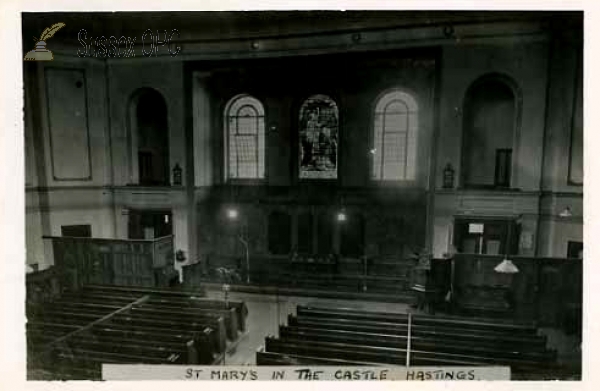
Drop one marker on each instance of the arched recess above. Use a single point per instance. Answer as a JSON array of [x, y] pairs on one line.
[[280, 232], [149, 138], [352, 241], [490, 132]]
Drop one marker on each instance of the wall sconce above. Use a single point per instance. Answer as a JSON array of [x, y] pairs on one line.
[[254, 45], [448, 182], [341, 216], [177, 175], [273, 128]]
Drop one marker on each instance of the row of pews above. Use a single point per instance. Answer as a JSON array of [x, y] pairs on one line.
[[337, 336], [70, 337]]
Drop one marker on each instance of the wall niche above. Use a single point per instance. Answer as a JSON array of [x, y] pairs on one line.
[[149, 138], [490, 123]]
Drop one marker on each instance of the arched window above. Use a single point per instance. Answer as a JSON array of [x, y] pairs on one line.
[[244, 138], [395, 137], [318, 138]]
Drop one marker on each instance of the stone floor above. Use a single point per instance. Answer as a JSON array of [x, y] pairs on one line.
[[267, 312]]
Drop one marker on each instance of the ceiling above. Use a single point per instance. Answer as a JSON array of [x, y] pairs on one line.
[[230, 25]]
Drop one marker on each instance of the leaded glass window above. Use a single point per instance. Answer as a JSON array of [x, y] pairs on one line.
[[244, 138], [395, 137]]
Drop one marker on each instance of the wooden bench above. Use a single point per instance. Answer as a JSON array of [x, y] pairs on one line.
[[417, 343], [389, 356], [420, 348], [362, 336], [194, 348], [135, 322], [80, 363], [535, 343], [203, 303], [206, 342], [442, 322], [70, 337], [230, 317], [273, 358]]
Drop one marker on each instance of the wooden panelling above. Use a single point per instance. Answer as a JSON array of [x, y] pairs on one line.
[[83, 261], [547, 290]]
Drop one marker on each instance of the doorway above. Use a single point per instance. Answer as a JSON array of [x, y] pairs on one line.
[[486, 236], [149, 224]]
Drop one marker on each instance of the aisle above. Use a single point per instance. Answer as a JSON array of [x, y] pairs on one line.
[[267, 312]]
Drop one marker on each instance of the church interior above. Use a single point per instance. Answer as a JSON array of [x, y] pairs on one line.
[[382, 188]]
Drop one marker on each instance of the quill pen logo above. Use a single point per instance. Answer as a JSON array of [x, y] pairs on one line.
[[40, 53]]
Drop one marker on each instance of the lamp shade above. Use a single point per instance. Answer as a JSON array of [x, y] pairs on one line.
[[506, 267], [566, 212]]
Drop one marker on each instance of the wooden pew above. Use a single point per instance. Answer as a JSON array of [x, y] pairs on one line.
[[488, 327], [385, 355], [422, 349], [417, 343], [74, 334], [352, 334], [203, 303], [199, 347], [148, 352], [206, 341], [77, 362], [97, 298], [536, 343], [230, 317], [336, 351], [160, 298], [137, 322], [162, 292], [272, 358]]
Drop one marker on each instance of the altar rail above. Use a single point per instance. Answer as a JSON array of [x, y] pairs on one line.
[[374, 275], [139, 263]]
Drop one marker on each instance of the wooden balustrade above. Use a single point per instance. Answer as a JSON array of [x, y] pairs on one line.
[[135, 263]]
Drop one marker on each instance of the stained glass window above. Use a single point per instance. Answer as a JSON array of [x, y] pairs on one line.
[[244, 138], [319, 120], [395, 137]]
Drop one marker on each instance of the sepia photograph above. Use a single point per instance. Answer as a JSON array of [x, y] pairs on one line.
[[336, 194]]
